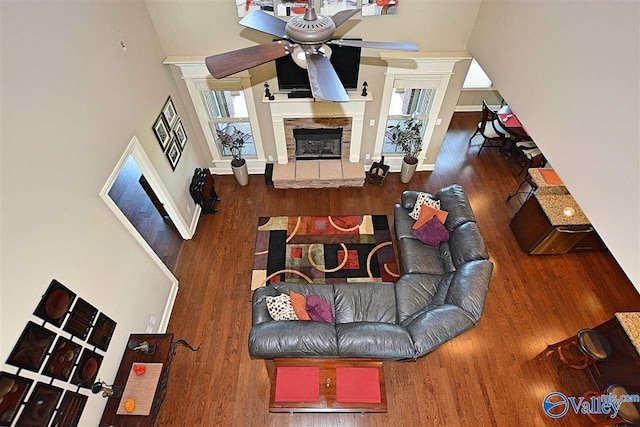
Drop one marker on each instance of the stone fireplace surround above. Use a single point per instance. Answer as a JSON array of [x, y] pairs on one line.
[[288, 114]]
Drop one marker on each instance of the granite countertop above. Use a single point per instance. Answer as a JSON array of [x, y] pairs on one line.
[[543, 186], [554, 205], [630, 322]]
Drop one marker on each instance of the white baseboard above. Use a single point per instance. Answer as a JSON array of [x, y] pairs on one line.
[[195, 219], [254, 166], [168, 308]]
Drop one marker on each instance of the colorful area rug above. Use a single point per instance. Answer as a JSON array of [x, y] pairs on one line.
[[321, 249]]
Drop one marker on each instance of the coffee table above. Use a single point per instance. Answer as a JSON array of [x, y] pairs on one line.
[[330, 372]]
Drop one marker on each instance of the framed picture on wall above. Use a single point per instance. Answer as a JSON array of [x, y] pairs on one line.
[[13, 390], [169, 113], [161, 130], [181, 135], [174, 153]]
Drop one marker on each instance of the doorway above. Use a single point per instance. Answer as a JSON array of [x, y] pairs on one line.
[[133, 195]]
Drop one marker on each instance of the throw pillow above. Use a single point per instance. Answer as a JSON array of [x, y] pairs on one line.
[[319, 309], [426, 213], [298, 302], [280, 308], [423, 199], [432, 233]]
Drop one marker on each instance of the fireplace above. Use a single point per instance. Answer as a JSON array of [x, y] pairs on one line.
[[318, 144]]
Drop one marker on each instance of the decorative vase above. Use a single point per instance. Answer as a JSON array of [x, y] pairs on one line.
[[241, 173], [407, 170]]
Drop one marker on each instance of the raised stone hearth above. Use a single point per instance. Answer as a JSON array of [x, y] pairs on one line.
[[318, 174]]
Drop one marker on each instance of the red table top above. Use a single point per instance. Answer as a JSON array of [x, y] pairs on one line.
[[509, 120]]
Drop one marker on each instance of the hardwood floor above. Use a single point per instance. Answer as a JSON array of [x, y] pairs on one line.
[[136, 205], [495, 374]]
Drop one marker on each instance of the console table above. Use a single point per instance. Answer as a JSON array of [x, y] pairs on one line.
[[164, 352]]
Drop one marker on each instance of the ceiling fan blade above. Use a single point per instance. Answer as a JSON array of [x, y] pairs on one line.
[[375, 45], [343, 16], [324, 81], [225, 64], [262, 21]]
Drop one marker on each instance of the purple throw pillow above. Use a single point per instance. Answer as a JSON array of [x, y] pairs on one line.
[[319, 309], [432, 233]]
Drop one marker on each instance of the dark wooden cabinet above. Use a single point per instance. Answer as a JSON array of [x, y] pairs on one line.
[[624, 365], [536, 235]]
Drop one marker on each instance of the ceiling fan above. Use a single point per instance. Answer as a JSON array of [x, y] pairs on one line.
[[309, 33]]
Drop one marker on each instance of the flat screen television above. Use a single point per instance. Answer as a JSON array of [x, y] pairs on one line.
[[345, 60]]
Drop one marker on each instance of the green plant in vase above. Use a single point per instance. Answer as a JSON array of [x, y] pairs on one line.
[[233, 140], [407, 136]]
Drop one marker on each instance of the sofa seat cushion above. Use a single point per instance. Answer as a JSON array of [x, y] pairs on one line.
[[466, 244], [414, 292], [374, 340], [365, 302], [416, 257], [293, 339], [454, 200]]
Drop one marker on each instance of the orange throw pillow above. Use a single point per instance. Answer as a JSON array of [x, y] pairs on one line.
[[426, 213], [298, 302]]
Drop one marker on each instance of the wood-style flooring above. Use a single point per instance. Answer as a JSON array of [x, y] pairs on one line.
[[496, 374], [135, 204]]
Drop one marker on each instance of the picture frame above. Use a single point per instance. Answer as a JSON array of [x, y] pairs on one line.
[[81, 319], [87, 369], [162, 132], [32, 347], [13, 390], [102, 332], [181, 135], [173, 153], [169, 113], [41, 405], [55, 303], [62, 360]]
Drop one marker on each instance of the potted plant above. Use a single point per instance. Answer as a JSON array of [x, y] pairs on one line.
[[233, 140], [407, 136]]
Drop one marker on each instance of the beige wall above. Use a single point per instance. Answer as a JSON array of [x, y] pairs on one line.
[[570, 72], [71, 102], [471, 99], [204, 28]]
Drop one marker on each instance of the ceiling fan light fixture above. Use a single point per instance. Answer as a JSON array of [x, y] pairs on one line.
[[299, 56]]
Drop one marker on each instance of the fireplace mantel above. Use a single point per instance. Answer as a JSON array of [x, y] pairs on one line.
[[283, 108]]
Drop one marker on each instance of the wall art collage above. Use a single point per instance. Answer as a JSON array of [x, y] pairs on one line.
[[170, 133], [67, 346]]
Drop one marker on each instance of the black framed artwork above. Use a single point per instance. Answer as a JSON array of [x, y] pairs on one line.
[[55, 303], [162, 132], [63, 358], [87, 369], [169, 113], [41, 405], [102, 332], [81, 319], [173, 153], [32, 347], [13, 390], [70, 409], [181, 135]]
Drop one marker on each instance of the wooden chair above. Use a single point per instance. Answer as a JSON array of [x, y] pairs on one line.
[[591, 346], [629, 412], [493, 134]]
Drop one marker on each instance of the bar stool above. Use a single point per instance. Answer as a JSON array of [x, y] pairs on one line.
[[629, 412], [592, 347]]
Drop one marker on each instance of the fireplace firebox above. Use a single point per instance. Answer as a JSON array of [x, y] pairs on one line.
[[317, 144]]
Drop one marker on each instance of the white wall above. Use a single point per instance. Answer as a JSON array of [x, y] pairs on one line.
[[71, 102], [201, 28], [570, 71]]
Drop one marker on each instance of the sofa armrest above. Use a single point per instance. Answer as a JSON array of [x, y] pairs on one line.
[[409, 197], [259, 312], [437, 325]]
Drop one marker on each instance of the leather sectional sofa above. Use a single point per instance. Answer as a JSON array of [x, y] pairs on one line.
[[440, 295]]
